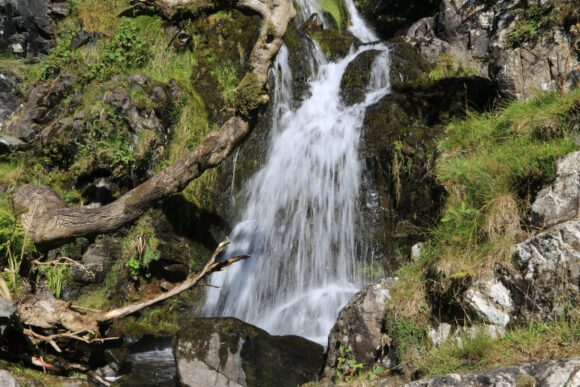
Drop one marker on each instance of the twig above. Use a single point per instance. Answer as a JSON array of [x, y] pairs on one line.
[[211, 266]]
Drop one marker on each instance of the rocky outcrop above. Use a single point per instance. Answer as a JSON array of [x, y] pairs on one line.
[[548, 374], [549, 272], [97, 261], [359, 326], [26, 26], [229, 352], [398, 147], [482, 35], [9, 96], [389, 16], [561, 200], [490, 301], [7, 316]]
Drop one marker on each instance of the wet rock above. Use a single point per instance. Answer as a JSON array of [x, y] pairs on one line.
[[359, 325], [549, 272], [548, 374], [333, 43], [298, 43], [356, 78], [399, 193], [7, 380], [314, 22], [561, 200], [389, 16], [490, 301], [229, 352], [116, 358]]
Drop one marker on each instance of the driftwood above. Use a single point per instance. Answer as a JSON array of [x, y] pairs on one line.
[[44, 312], [50, 222]]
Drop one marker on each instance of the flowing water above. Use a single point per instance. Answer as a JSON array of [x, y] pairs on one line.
[[300, 213]]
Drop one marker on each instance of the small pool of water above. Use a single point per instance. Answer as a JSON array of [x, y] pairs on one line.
[[153, 365]]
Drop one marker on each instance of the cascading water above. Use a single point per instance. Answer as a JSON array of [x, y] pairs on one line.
[[299, 220]]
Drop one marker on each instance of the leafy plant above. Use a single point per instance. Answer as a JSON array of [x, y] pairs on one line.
[[140, 248], [462, 212], [347, 366], [535, 20]]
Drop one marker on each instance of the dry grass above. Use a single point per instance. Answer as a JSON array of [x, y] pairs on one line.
[[100, 15]]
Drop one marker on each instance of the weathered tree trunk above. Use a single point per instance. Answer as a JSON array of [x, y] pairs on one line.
[[50, 222]]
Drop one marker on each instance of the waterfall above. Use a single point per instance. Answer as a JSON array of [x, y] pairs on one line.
[[299, 220]]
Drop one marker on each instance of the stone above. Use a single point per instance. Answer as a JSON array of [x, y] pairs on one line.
[[10, 97], [229, 352], [547, 374], [549, 266], [439, 333], [356, 78], [492, 331], [7, 380], [490, 301], [9, 144], [116, 357], [561, 200], [359, 325], [416, 251], [98, 259], [7, 315]]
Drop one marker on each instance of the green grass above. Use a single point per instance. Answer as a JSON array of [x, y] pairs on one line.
[[489, 164], [534, 342], [337, 11]]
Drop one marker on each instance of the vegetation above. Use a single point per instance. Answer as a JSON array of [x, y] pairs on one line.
[[140, 248], [336, 10], [490, 166]]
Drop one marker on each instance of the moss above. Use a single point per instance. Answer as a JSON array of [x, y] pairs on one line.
[[334, 44], [248, 94], [337, 11], [408, 338]]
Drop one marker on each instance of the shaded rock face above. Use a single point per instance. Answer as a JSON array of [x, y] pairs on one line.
[[561, 200], [10, 96], [229, 352], [26, 25], [359, 325], [548, 374], [7, 315], [399, 193], [478, 35], [98, 259], [389, 16]]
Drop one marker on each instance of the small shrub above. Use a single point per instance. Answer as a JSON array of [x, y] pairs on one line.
[[140, 248], [347, 367]]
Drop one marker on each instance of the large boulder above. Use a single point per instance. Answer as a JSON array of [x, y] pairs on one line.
[[548, 374], [229, 352], [561, 200], [358, 327]]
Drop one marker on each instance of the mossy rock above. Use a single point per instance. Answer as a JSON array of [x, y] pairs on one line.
[[298, 44], [334, 44], [399, 147], [223, 42], [406, 64], [244, 354], [356, 78]]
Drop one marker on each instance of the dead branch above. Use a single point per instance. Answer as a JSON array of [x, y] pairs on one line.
[[211, 266], [65, 261], [54, 223], [50, 339]]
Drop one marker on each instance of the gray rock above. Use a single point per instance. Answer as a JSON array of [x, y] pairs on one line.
[[98, 259], [546, 374], [229, 352], [439, 333], [9, 144], [359, 325], [7, 315], [490, 301], [10, 96], [549, 264], [476, 34], [561, 200], [7, 380]]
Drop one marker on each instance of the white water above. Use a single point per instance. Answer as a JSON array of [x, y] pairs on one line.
[[299, 220]]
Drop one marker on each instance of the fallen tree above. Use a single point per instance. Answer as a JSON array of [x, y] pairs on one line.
[[47, 219]]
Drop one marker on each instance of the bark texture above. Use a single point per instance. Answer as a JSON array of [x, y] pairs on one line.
[[50, 222]]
